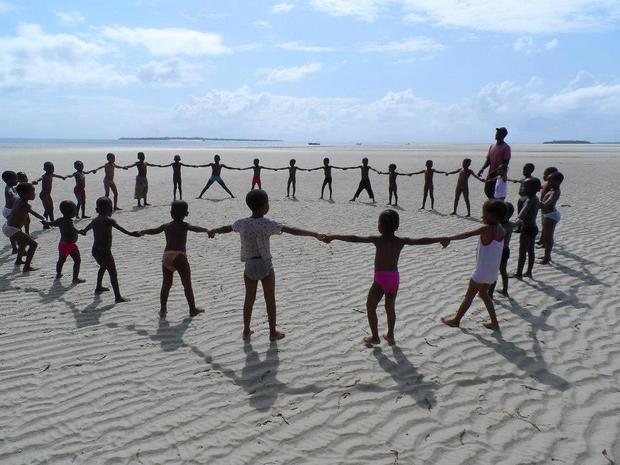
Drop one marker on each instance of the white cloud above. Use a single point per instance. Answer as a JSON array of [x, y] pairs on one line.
[[527, 45], [294, 73], [553, 43], [172, 72], [283, 7], [168, 41], [297, 47], [365, 10], [70, 17], [411, 45], [262, 24]]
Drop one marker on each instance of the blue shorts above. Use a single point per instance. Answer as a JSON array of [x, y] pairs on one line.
[[215, 178]]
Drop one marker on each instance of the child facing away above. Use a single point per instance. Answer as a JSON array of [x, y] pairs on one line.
[[177, 182], [80, 186], [428, 183], [254, 233], [22, 177], [462, 185], [386, 278], [256, 167], [108, 178], [102, 245], [10, 181], [175, 258], [488, 258], [527, 220], [68, 240], [508, 229], [551, 215], [16, 220], [364, 181], [327, 171], [392, 186], [216, 170], [46, 190]]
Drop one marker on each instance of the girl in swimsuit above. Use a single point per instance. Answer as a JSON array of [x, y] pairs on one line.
[[551, 216], [386, 279]]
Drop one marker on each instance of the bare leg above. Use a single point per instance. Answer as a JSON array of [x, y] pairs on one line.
[[182, 266], [395, 197], [106, 189], [166, 284], [430, 193], [457, 196], [329, 184], [424, 195], [77, 261], [24, 240], [467, 204], [504, 273], [288, 187], [248, 305], [472, 290], [391, 191], [375, 293], [483, 292], [294, 187], [221, 183], [115, 193], [531, 255], [390, 311], [59, 265], [269, 289], [548, 233], [13, 246], [323, 187], [180, 183], [209, 182], [83, 205]]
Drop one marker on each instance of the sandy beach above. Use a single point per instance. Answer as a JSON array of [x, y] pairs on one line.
[[85, 381]]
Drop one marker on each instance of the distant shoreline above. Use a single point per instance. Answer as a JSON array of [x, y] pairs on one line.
[[568, 142], [221, 139]]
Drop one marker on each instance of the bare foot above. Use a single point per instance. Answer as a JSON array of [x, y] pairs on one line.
[[371, 340], [58, 276], [28, 269], [453, 322], [163, 313], [85, 216], [196, 311], [528, 275], [517, 276], [246, 334], [121, 299], [78, 281], [492, 326], [147, 204], [544, 262], [504, 293], [99, 290], [117, 208], [390, 339], [276, 336], [453, 213]]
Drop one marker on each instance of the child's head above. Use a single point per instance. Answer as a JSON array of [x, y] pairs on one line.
[[25, 190], [429, 163], [510, 210], [111, 157], [216, 158], [548, 171], [141, 156], [10, 178], [48, 167], [257, 201], [292, 162], [392, 167], [78, 165], [466, 162], [326, 161], [528, 169], [555, 179], [531, 187], [22, 177], [364, 161], [493, 211], [178, 210], [104, 206], [256, 161], [502, 169], [388, 222], [177, 158], [68, 209]]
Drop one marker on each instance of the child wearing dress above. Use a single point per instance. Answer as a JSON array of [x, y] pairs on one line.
[[386, 280], [551, 215], [255, 232], [503, 264], [488, 258], [501, 183]]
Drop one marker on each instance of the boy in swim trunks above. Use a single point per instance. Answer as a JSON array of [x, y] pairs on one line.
[[327, 170], [386, 279], [462, 185], [428, 183], [10, 179], [102, 245], [16, 220], [551, 215], [364, 181], [108, 178], [46, 190], [142, 183], [255, 232], [68, 240], [80, 187], [174, 258], [527, 220], [257, 169], [216, 170]]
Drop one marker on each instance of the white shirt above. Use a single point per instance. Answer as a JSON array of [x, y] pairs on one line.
[[255, 233]]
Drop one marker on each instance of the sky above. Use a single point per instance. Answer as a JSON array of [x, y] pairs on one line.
[[370, 71]]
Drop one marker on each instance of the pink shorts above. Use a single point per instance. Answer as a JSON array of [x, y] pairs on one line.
[[169, 257], [388, 281], [66, 248], [256, 180]]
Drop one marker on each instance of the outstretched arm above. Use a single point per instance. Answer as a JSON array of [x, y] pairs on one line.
[[376, 171], [59, 176], [465, 235], [155, 165], [152, 232], [272, 169], [125, 167], [426, 240], [220, 230], [453, 172], [336, 237], [476, 176], [201, 166], [86, 229], [416, 172], [233, 168], [299, 232], [440, 172], [124, 231], [193, 228]]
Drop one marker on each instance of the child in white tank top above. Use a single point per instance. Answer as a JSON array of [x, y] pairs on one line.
[[490, 248]]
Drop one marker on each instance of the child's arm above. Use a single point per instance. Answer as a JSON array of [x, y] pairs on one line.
[[233, 168], [416, 172], [344, 168], [465, 235], [426, 241], [220, 230], [151, 232], [437, 171], [299, 232], [202, 166], [123, 230], [272, 169], [453, 172], [199, 229], [60, 177], [93, 171], [336, 237], [471, 172], [378, 172], [125, 167], [187, 166], [86, 229]]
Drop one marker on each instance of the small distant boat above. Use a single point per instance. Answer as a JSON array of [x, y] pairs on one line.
[[314, 143]]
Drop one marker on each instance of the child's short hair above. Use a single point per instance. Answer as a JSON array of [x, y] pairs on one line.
[[178, 210], [556, 176], [110, 155], [8, 175], [48, 166], [325, 160], [103, 204], [177, 157], [293, 161], [467, 161], [528, 167], [68, 209], [429, 162], [78, 164], [24, 188], [141, 155], [496, 209], [549, 170], [392, 167], [510, 210], [364, 160], [390, 220], [256, 199], [216, 157], [531, 186], [22, 177], [256, 161]]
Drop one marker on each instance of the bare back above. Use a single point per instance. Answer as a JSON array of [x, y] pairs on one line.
[[19, 213], [388, 252], [109, 171], [176, 235]]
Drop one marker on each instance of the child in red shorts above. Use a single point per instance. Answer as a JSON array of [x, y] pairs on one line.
[[68, 240]]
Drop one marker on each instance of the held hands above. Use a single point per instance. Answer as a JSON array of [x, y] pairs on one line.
[[211, 233], [325, 238], [137, 233], [82, 232], [444, 242]]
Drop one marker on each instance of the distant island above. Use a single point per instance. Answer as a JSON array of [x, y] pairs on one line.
[[568, 142], [220, 139]]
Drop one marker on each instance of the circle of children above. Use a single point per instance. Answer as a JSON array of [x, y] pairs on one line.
[[493, 236]]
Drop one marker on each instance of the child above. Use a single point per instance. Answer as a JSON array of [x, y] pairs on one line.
[[21, 177], [16, 219], [327, 170], [501, 183], [543, 192], [551, 216], [80, 187], [174, 258], [428, 183], [365, 181], [68, 240], [508, 228], [142, 183], [488, 258], [392, 187], [386, 279], [527, 220], [257, 169], [292, 171], [216, 169], [46, 190], [528, 170], [462, 185], [10, 179], [102, 245], [177, 182], [255, 252], [108, 179]]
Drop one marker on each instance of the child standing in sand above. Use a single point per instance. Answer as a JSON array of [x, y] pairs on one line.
[[527, 220], [462, 185], [428, 183], [16, 220], [102, 246], [392, 187], [142, 182], [327, 170], [543, 192], [46, 190], [503, 264], [175, 258], [551, 215], [10, 181], [80, 186], [216, 170], [21, 177], [364, 181], [177, 182], [292, 171], [387, 279], [256, 167], [68, 240], [255, 232], [488, 258], [108, 179]]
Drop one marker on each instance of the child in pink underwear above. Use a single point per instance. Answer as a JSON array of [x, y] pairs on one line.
[[68, 240], [386, 280], [488, 259], [174, 258]]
